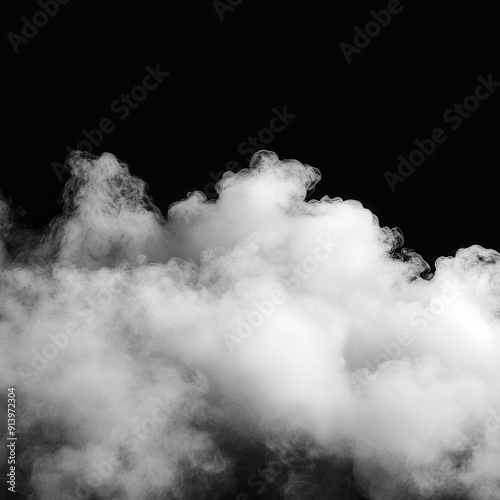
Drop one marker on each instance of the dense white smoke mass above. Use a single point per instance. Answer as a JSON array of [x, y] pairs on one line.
[[151, 355]]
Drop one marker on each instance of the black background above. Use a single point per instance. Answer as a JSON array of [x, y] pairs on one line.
[[227, 76]]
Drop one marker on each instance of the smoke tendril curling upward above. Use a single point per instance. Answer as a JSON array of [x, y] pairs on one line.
[[154, 355]]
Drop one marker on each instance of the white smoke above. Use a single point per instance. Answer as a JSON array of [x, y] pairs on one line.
[[151, 355]]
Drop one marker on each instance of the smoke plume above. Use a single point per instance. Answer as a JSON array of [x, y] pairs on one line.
[[168, 357]]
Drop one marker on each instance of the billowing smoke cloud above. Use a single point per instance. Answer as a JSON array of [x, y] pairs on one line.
[[165, 357]]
